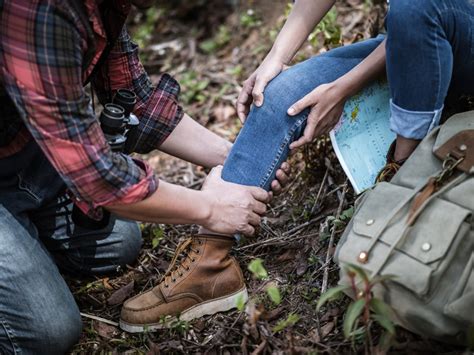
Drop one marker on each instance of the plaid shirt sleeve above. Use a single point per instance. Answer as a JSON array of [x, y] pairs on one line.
[[42, 50], [157, 106]]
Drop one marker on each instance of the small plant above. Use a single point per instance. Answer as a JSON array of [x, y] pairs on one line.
[[158, 235], [221, 38], [144, 32], [365, 310], [192, 88], [328, 30], [249, 19], [291, 320]]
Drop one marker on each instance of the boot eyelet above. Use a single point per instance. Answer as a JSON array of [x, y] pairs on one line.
[[180, 275], [200, 242], [166, 286], [174, 280], [198, 251], [193, 260], [187, 269]]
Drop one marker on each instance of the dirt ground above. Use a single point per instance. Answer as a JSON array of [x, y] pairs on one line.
[[211, 47]]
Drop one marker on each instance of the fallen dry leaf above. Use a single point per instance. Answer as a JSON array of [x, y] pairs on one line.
[[121, 294]]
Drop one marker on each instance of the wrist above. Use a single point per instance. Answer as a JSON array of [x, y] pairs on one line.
[[202, 209], [279, 55], [345, 87]]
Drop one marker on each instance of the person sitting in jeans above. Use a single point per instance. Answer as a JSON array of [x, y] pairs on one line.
[[427, 53]]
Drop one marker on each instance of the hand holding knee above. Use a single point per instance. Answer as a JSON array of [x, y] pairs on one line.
[[325, 104]]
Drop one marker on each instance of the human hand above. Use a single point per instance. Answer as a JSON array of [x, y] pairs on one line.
[[281, 180], [233, 208], [252, 90], [326, 103]]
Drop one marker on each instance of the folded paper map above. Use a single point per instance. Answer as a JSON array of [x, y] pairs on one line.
[[362, 137]]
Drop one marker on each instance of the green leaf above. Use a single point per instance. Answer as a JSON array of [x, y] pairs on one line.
[[353, 313], [158, 235], [384, 322], [257, 269], [359, 271], [274, 294], [291, 320], [240, 302], [347, 214], [330, 294], [381, 308]]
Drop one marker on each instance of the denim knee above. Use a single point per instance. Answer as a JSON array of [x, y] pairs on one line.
[[406, 18], [131, 241], [53, 330]]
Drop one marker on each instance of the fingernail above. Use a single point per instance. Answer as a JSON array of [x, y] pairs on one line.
[[291, 111]]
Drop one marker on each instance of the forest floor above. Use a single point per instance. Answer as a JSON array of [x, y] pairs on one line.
[[211, 47]]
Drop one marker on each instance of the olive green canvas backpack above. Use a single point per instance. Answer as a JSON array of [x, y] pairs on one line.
[[420, 228]]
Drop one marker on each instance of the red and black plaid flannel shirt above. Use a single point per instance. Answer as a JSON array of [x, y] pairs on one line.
[[43, 44]]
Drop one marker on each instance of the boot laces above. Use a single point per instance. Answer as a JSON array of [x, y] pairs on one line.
[[183, 255]]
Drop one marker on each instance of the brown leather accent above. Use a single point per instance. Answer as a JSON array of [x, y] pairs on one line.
[[424, 194], [206, 272], [461, 145]]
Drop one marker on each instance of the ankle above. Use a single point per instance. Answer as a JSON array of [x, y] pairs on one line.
[[404, 147]]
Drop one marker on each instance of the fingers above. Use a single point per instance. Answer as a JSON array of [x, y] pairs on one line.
[[245, 99], [301, 104], [308, 134], [276, 187], [259, 208], [248, 230], [254, 219], [260, 194], [286, 168], [257, 92]]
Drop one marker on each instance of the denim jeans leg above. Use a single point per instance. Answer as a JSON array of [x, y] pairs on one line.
[[83, 251], [262, 144], [38, 314], [430, 53]]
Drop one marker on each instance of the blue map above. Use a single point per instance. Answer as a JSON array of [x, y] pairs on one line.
[[362, 137]]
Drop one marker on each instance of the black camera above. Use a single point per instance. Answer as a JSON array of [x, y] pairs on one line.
[[118, 124]]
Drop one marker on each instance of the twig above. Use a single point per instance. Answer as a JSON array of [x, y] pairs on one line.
[[100, 319], [331, 242]]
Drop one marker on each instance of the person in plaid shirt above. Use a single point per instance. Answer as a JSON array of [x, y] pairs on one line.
[[52, 147]]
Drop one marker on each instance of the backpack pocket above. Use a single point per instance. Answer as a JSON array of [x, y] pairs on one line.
[[461, 301], [419, 259]]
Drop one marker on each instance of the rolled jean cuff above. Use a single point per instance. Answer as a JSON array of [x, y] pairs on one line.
[[413, 124]]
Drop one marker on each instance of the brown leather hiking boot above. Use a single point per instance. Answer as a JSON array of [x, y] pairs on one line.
[[392, 165], [206, 281]]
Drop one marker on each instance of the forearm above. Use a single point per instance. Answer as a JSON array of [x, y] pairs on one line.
[[366, 71], [170, 203], [196, 144], [305, 15]]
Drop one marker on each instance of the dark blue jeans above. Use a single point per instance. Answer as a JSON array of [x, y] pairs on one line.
[[38, 314], [430, 53]]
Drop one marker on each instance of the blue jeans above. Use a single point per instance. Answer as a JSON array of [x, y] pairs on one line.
[[38, 314], [430, 53]]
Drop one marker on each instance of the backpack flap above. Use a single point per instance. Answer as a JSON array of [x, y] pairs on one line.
[[380, 221]]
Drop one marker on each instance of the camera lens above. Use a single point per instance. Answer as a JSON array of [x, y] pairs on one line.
[[127, 99]]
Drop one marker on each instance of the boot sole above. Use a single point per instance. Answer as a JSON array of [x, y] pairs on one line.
[[221, 304]]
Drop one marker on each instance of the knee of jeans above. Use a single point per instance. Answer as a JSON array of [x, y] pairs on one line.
[[406, 16], [131, 241], [56, 332], [281, 93]]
